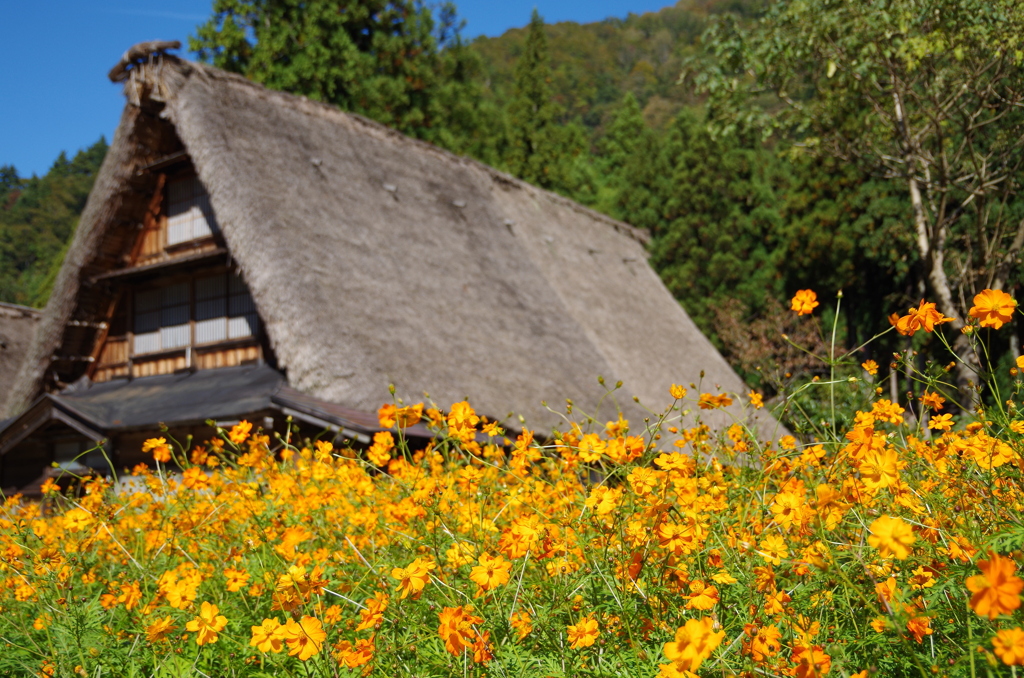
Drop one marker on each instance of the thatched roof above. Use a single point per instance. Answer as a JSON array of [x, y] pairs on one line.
[[374, 258], [17, 328]]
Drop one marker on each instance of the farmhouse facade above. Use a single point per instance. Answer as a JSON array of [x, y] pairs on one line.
[[247, 253]]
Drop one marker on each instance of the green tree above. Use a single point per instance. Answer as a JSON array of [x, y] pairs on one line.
[[927, 93], [37, 225], [9, 183], [386, 59], [540, 147], [716, 236]]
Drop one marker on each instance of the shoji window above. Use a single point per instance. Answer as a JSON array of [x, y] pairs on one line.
[[204, 310], [224, 310], [162, 318], [189, 216]]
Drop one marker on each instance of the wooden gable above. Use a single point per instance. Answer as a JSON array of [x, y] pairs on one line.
[[178, 303]]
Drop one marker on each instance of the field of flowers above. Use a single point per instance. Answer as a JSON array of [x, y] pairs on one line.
[[602, 549]]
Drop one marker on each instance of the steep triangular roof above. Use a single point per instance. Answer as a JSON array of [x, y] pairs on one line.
[[374, 258]]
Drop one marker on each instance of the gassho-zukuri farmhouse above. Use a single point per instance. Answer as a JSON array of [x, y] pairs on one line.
[[249, 254]]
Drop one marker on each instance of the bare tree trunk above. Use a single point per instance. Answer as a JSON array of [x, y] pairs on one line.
[[931, 245]]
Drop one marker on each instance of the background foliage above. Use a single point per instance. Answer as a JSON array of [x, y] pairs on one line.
[[703, 123]]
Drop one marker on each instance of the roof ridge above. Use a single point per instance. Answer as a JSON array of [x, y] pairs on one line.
[[496, 175]]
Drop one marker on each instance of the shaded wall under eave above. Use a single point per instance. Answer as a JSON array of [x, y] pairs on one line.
[[17, 328]]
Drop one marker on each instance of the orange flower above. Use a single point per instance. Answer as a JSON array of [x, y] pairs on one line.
[[804, 302], [304, 637], [993, 308], [765, 643], [713, 402], [239, 432], [373, 614], [207, 625], [522, 623], [870, 366], [380, 451], [919, 627], [893, 537], [456, 629], [584, 633], [677, 392], [941, 422], [997, 590], [1009, 646], [159, 447], [491, 573], [702, 596], [694, 642], [932, 400], [237, 579], [811, 662], [924, 317], [386, 415], [756, 400]]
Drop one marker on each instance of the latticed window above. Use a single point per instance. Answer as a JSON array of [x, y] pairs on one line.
[[189, 215], [199, 311]]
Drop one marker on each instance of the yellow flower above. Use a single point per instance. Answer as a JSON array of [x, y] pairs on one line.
[[870, 366], [159, 629], [207, 625], [880, 469], [941, 422], [77, 519], [922, 579], [804, 302], [414, 578], [756, 399], [1009, 646], [773, 549], [993, 308], [584, 633], [267, 637], [677, 392], [892, 536]]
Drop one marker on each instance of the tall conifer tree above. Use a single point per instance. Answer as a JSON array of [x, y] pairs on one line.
[[540, 148]]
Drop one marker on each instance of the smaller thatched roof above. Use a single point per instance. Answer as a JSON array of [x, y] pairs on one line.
[[17, 329], [374, 258]]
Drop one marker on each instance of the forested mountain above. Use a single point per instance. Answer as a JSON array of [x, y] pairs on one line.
[[594, 65], [38, 216]]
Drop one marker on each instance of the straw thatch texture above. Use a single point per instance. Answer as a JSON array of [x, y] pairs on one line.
[[17, 328], [377, 259]]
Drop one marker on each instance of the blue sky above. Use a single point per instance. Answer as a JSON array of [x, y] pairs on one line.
[[54, 92]]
